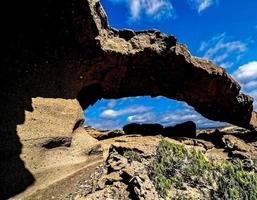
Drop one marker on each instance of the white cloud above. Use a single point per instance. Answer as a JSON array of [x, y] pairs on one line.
[[110, 113], [186, 113], [159, 9], [246, 75], [151, 8], [250, 85], [247, 72], [201, 5], [222, 51], [148, 117], [116, 118], [173, 117]]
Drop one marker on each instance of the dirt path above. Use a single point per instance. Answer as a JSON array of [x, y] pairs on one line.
[[58, 183]]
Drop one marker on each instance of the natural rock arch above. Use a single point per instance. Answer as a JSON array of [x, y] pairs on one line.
[[65, 49], [151, 63]]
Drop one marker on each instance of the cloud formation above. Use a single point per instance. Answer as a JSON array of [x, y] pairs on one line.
[[201, 5], [247, 72], [223, 51], [172, 117], [115, 115], [148, 8], [159, 9], [246, 75], [148, 117], [103, 123], [111, 113]]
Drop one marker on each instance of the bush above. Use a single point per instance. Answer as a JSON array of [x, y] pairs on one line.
[[176, 166], [132, 155]]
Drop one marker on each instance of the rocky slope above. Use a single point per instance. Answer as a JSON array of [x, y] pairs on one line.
[[137, 166], [58, 57]]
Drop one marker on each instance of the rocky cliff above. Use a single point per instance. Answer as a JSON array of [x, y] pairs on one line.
[[60, 56]]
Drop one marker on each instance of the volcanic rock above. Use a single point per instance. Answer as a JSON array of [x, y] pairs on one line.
[[186, 129], [110, 134], [64, 52], [144, 129]]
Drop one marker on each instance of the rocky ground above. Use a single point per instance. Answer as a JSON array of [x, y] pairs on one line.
[[213, 164], [60, 57], [216, 164]]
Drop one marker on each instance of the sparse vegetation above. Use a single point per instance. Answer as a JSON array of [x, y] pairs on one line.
[[234, 182], [176, 166], [132, 155]]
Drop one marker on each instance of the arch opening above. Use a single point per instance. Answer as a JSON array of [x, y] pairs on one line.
[[115, 113]]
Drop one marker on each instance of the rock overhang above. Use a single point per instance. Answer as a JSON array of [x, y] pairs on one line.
[[66, 49]]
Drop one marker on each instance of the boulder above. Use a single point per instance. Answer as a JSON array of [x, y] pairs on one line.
[[110, 134], [214, 136], [186, 129], [143, 129]]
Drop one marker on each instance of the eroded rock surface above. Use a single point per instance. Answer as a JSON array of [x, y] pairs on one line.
[[127, 170], [65, 50]]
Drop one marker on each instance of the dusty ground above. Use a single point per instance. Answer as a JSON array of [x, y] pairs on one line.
[[79, 167]]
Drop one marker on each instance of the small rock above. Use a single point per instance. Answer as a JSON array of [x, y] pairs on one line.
[[112, 177], [116, 162], [95, 150], [233, 143]]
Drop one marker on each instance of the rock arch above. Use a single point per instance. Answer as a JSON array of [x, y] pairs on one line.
[[61, 50]]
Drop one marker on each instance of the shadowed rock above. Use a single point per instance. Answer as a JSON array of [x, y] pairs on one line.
[[65, 49], [144, 129], [186, 129]]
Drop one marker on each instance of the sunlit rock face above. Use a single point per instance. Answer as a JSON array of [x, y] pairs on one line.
[[65, 49]]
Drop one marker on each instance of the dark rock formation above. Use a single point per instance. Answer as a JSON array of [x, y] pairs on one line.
[[144, 129], [215, 137], [65, 49], [186, 129], [110, 134]]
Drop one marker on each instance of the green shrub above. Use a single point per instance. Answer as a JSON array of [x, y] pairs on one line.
[[174, 166], [234, 182], [132, 155]]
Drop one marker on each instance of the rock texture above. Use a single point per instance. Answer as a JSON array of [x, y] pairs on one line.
[[65, 49], [125, 172]]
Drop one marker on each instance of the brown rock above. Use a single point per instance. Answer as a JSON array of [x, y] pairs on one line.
[[116, 162], [116, 191], [66, 50], [110, 134], [140, 185], [186, 129], [113, 177], [81, 139], [233, 143], [239, 148]]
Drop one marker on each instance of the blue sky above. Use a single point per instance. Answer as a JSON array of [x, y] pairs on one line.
[[224, 31]]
